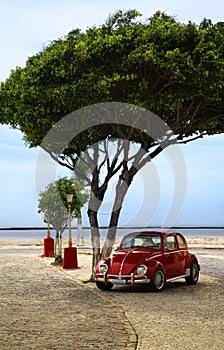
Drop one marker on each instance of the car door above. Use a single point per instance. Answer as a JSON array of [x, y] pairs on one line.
[[172, 257]]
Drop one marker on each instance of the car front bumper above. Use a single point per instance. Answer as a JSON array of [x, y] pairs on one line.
[[123, 279]]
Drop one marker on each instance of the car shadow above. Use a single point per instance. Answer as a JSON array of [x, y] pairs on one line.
[[170, 286]]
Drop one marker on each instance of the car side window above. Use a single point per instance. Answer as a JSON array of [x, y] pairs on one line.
[[170, 242], [181, 242]]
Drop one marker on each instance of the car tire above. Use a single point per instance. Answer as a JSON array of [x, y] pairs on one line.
[[104, 286], [159, 280], [194, 273]]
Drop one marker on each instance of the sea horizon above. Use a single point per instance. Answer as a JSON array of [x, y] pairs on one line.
[[40, 232], [105, 227]]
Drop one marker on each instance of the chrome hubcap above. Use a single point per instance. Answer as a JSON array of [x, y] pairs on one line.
[[159, 279]]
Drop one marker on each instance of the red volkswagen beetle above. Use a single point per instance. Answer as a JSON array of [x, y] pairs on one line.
[[148, 258]]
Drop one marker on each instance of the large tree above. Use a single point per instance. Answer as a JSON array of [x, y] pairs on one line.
[[173, 69]]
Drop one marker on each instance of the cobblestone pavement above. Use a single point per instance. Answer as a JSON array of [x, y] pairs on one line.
[[41, 308], [181, 316], [44, 308]]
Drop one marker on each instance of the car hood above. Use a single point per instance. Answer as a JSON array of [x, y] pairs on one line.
[[125, 262]]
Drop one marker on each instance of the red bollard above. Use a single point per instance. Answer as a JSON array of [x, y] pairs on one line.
[[49, 247], [70, 258]]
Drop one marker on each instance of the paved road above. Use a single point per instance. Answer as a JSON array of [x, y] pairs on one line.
[[42, 309]]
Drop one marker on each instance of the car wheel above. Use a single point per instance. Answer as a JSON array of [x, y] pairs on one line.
[[104, 286], [158, 282], [194, 273]]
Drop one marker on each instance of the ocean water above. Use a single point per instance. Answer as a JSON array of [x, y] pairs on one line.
[[86, 233]]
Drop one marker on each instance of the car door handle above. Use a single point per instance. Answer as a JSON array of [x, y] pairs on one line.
[[179, 253]]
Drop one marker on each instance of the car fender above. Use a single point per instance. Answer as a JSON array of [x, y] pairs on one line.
[[152, 266], [101, 262], [189, 260]]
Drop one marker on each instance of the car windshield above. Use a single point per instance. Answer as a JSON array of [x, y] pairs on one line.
[[148, 241]]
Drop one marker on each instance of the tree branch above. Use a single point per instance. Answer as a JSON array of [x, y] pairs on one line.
[[57, 159], [193, 138]]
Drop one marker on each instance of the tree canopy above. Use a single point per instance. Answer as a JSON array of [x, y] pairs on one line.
[[173, 69]]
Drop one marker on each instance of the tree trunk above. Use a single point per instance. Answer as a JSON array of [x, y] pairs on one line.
[[121, 190], [58, 248], [80, 240], [111, 235], [97, 195], [56, 244], [60, 245], [95, 237]]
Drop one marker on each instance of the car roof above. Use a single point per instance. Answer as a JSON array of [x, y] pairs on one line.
[[160, 232]]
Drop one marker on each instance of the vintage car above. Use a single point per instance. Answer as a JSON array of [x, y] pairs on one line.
[[148, 258]]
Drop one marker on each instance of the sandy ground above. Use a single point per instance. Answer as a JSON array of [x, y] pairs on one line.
[[193, 242]]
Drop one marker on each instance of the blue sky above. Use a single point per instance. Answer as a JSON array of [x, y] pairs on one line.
[[25, 28]]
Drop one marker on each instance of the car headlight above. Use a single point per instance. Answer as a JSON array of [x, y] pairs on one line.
[[103, 269], [142, 269]]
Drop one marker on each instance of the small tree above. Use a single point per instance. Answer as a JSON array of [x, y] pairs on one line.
[[53, 206]]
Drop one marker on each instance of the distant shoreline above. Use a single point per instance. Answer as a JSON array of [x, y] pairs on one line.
[[105, 227]]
